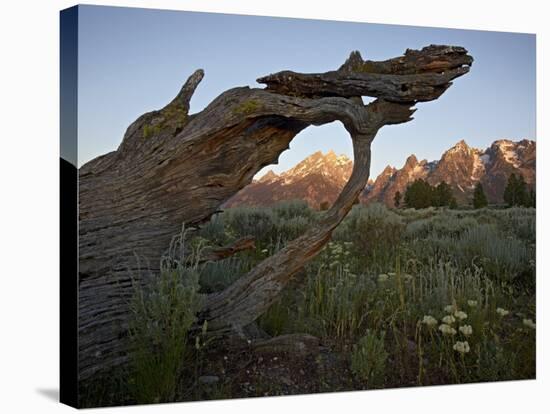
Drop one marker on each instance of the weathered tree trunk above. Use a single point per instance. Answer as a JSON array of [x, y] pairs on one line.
[[173, 168]]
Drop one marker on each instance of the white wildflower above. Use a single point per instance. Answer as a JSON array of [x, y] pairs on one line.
[[529, 323], [466, 330], [447, 330], [472, 303], [392, 273], [407, 277], [502, 312], [462, 347], [382, 277], [449, 308], [449, 319], [461, 315], [429, 320], [334, 264]]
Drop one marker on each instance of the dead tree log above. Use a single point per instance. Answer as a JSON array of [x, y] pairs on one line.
[[173, 167]]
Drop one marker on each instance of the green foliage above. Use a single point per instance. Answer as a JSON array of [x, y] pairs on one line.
[[421, 194], [216, 276], [517, 222], [250, 221], [453, 204], [384, 270], [503, 257], [376, 295], [291, 209], [373, 230], [215, 230], [334, 301], [515, 193], [269, 226], [368, 359], [495, 241], [278, 320], [480, 200], [440, 225], [161, 316], [442, 195]]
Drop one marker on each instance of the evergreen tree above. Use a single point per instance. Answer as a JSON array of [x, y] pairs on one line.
[[522, 193], [443, 195], [515, 193], [480, 200], [510, 190], [397, 199], [419, 194], [453, 204]]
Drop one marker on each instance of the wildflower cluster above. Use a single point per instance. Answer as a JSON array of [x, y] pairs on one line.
[[429, 320], [383, 278], [462, 347], [461, 315], [447, 330], [529, 323], [338, 253], [449, 319], [466, 330]]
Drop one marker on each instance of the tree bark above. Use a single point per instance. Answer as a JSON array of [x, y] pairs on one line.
[[173, 167]]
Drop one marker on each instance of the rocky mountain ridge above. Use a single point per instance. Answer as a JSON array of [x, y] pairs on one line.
[[462, 167], [319, 178]]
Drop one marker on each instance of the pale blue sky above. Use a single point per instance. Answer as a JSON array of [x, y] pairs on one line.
[[135, 60]]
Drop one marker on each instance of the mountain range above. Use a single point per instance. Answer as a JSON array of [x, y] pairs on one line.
[[319, 178]]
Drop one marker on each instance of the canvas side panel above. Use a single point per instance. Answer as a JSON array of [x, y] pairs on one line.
[[68, 207]]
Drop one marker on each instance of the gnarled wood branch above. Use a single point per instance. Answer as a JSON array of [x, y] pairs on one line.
[[173, 168], [417, 76], [220, 253]]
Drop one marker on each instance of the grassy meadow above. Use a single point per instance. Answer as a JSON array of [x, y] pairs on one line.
[[396, 290], [397, 298]]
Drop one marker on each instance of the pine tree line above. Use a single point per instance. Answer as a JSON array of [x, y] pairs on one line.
[[517, 194], [420, 194]]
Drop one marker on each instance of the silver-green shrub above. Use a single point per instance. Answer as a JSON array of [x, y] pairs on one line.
[[162, 312]]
